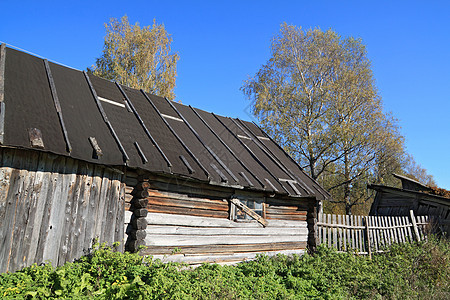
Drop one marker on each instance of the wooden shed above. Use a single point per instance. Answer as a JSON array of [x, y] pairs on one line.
[[84, 158], [415, 196]]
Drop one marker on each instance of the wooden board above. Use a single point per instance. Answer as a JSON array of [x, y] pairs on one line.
[[223, 248], [221, 258], [50, 208], [186, 211], [194, 221], [243, 231], [194, 240], [192, 203]]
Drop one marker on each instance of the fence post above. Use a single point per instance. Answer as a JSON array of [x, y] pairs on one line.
[[413, 220], [368, 237]]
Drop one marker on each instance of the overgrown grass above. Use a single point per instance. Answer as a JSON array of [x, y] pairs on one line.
[[407, 271]]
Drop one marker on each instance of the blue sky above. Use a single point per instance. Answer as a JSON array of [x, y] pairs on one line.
[[222, 43]]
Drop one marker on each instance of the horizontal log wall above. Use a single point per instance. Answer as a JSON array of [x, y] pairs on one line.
[[193, 228], [52, 207]]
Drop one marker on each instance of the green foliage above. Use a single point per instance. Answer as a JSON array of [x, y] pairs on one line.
[[138, 57], [316, 96], [407, 271]]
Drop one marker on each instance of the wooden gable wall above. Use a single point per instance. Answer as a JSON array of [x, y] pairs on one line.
[[53, 207]]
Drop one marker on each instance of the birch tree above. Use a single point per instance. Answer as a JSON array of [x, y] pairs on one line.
[[317, 97], [138, 57]]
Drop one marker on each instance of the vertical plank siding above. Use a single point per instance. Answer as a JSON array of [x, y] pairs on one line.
[[52, 207], [365, 234], [400, 203]]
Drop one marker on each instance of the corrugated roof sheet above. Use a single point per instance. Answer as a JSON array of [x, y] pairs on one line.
[[141, 130]]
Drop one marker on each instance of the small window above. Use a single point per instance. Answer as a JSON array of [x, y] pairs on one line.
[[255, 205]]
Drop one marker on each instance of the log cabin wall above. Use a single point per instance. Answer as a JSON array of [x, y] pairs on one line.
[[192, 223], [52, 207]]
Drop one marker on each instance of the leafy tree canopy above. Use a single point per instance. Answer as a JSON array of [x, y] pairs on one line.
[[138, 57], [317, 97]]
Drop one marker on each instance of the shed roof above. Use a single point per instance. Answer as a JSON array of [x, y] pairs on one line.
[[73, 110]]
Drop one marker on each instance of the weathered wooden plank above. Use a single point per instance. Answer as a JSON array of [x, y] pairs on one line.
[[369, 238], [40, 192], [112, 209], [119, 235], [186, 197], [345, 230], [7, 182], [223, 248], [361, 234], [55, 210], [388, 230], [102, 199], [191, 203], [59, 211], [50, 180], [92, 209], [395, 229], [382, 241], [408, 224], [182, 230], [286, 217], [376, 233], [75, 192], [192, 240], [407, 229], [329, 236], [300, 203], [402, 232], [333, 218], [70, 178], [118, 212], [351, 243], [384, 236], [30, 209], [5, 176], [422, 230], [13, 202], [221, 258], [338, 235], [103, 214], [277, 211], [22, 211], [82, 201], [194, 221], [285, 207], [187, 211], [319, 217]]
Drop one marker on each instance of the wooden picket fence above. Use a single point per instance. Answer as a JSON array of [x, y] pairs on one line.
[[369, 234]]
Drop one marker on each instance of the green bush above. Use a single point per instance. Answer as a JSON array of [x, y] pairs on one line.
[[406, 271]]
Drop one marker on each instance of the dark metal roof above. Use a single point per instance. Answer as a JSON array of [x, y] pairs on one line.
[[85, 117], [413, 194]]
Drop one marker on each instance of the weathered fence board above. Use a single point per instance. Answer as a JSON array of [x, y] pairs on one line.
[[52, 207], [369, 234]]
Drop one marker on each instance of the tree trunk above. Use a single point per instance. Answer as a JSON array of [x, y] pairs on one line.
[[348, 205]]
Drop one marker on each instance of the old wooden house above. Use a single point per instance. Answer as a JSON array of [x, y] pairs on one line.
[[415, 196], [83, 158]]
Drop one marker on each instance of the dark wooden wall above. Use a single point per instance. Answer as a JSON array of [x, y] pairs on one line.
[[52, 207], [392, 203], [191, 223]]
